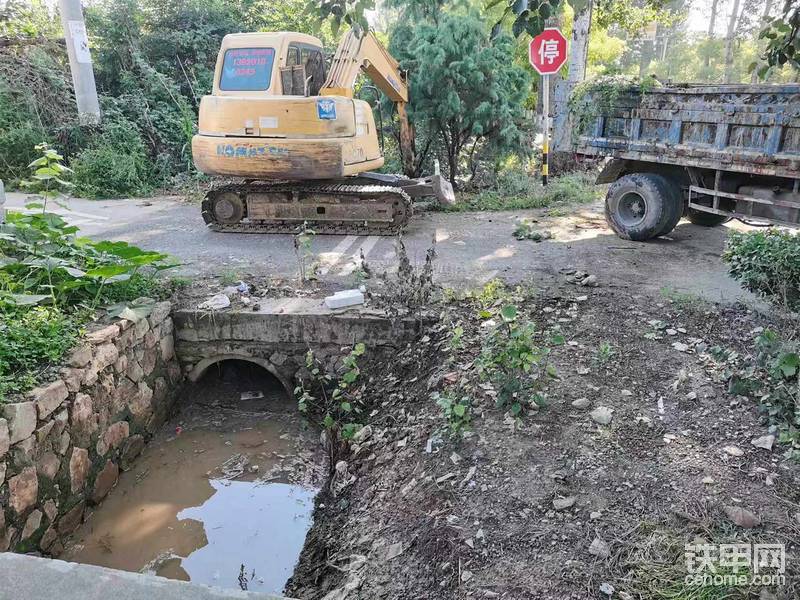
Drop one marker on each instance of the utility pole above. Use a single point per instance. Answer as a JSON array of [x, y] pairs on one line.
[[80, 61]]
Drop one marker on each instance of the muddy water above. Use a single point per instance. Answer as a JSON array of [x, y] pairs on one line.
[[222, 496]]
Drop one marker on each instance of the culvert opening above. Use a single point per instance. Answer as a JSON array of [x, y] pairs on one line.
[[222, 495], [241, 384]]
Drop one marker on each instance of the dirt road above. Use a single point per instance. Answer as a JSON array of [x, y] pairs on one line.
[[472, 247]]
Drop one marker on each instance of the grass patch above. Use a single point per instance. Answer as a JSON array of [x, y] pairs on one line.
[[516, 191]]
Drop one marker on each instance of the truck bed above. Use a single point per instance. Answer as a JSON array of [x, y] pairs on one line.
[[752, 129]]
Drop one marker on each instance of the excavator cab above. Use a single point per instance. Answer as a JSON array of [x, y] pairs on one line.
[[301, 142]]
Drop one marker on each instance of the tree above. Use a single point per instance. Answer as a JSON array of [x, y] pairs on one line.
[[464, 88], [783, 39], [729, 39]]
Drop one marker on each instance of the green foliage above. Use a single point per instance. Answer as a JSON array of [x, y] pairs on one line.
[[766, 263], [527, 230], [348, 12], [605, 352], [517, 190], [116, 163], [18, 149], [30, 340], [457, 411], [463, 87], [525, 16], [513, 361], [336, 400], [771, 376], [47, 181], [303, 241], [783, 40], [595, 97]]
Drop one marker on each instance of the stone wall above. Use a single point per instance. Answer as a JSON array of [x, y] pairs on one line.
[[62, 448]]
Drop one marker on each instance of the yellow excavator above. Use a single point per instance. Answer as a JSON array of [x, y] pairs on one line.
[[300, 146]]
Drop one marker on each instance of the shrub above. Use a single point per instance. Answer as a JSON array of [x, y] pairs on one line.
[[516, 190], [766, 263], [114, 165], [17, 150], [30, 340]]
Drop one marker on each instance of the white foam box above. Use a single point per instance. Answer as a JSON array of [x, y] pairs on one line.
[[344, 298]]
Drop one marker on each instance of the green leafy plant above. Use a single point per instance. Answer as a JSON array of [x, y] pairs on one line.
[[30, 341], [456, 409], [766, 263], [605, 351], [333, 398], [528, 231], [47, 181], [512, 360], [303, 242]]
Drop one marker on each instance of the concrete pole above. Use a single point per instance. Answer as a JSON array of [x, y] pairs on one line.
[[80, 61]]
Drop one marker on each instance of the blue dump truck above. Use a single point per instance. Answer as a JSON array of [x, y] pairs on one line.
[[706, 152]]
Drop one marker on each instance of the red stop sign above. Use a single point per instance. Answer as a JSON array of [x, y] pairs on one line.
[[548, 51]]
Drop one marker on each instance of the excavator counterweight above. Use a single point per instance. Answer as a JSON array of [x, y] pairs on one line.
[[300, 144]]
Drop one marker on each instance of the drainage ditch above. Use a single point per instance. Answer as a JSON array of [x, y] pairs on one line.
[[224, 493]]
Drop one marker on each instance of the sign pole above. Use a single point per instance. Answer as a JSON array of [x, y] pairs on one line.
[[545, 127], [547, 53]]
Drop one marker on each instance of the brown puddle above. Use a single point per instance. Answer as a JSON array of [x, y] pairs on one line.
[[223, 495]]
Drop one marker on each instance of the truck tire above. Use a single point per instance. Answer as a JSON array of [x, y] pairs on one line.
[[639, 206], [677, 207], [705, 219]]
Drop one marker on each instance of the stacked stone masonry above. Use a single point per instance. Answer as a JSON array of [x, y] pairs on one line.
[[63, 446]]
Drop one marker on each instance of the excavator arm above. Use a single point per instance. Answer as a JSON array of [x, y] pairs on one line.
[[364, 53]]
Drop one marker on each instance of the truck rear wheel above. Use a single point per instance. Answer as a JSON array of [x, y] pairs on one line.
[[706, 219], [640, 206]]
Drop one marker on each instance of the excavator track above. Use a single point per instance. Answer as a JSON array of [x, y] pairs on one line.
[[338, 209]]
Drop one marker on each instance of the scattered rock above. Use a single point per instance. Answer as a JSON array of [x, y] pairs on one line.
[[708, 480], [680, 346], [594, 515], [563, 503], [742, 517], [394, 551], [607, 589], [765, 441], [602, 415], [733, 451], [466, 576], [581, 403], [599, 548]]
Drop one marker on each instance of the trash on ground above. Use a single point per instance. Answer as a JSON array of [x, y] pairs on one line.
[[345, 298], [216, 302]]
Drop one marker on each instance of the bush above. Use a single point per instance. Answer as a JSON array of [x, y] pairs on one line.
[[767, 263], [31, 340], [17, 150], [516, 190], [114, 165]]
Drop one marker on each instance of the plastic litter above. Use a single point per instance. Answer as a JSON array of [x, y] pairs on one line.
[[217, 302]]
